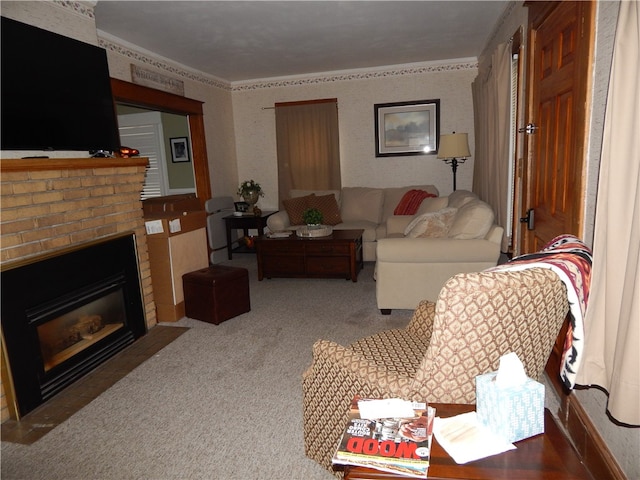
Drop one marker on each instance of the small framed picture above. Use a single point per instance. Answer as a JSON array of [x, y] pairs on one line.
[[180, 149], [407, 128]]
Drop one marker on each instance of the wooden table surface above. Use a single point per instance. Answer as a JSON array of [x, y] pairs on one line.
[[548, 456]]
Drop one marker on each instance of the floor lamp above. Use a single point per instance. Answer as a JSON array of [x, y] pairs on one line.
[[454, 150]]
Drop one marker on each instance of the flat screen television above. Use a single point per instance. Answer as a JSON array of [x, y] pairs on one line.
[[56, 92]]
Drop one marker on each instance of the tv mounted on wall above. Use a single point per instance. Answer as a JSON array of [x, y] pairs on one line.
[[56, 92]]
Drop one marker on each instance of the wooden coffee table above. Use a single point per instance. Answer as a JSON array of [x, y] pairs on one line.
[[338, 255], [545, 456]]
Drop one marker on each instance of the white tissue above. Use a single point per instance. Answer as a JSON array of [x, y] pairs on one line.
[[511, 371]]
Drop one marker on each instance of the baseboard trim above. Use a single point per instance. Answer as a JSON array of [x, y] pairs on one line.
[[590, 446]]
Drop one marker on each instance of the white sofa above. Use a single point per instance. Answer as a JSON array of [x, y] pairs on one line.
[[412, 265], [367, 208]]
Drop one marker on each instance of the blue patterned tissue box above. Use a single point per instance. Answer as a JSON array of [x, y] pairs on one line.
[[514, 412]]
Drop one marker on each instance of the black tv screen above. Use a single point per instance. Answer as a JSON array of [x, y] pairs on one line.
[[56, 92]]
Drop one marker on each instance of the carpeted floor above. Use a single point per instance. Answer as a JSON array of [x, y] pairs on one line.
[[219, 402]]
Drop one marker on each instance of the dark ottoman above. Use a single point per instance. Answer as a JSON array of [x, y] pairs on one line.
[[216, 293]]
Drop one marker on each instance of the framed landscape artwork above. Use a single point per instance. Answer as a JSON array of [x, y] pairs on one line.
[[407, 128]]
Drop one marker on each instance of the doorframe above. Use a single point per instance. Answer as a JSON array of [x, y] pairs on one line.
[[139, 96]]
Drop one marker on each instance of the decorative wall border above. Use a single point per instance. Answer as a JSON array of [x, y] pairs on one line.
[[362, 74], [78, 7]]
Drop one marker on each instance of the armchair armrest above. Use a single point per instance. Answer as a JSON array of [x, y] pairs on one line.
[[364, 377], [329, 384], [278, 221], [421, 323]]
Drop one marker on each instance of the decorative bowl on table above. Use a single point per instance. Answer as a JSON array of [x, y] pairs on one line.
[[311, 231]]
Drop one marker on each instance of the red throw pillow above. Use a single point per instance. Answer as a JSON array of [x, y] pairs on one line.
[[410, 202]]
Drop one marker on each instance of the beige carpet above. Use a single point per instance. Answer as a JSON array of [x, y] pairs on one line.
[[219, 402]]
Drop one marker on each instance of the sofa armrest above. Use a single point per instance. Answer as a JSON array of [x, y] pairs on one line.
[[278, 221], [436, 250], [396, 224]]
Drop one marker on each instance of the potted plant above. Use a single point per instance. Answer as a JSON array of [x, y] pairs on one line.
[[250, 191], [312, 216]]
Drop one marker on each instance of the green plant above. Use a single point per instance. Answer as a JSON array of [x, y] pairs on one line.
[[312, 216], [249, 186]]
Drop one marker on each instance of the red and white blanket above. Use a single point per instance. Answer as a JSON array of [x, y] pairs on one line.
[[571, 260]]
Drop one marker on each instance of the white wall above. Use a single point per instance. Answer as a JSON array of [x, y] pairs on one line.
[[357, 92]]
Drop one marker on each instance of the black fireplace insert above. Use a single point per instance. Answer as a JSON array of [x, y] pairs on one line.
[[63, 314]]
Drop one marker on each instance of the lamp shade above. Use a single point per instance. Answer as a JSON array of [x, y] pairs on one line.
[[454, 145]]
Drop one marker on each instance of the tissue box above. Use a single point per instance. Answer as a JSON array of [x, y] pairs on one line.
[[514, 412]]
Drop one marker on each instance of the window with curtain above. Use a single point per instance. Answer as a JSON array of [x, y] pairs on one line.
[[308, 146]]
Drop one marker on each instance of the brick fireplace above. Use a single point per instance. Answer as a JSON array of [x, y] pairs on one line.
[[52, 204]]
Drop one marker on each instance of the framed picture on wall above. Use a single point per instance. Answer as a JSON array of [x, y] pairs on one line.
[[407, 128], [179, 149]]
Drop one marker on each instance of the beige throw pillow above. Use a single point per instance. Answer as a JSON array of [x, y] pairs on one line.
[[432, 224], [473, 220], [432, 204]]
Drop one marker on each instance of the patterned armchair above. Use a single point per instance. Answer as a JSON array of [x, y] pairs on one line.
[[478, 317]]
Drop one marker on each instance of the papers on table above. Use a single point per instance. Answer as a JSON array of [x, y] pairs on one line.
[[387, 408], [465, 439]]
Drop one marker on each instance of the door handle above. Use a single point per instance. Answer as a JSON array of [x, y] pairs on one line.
[[529, 219]]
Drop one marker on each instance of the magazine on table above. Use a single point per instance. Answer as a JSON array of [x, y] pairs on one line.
[[396, 441]]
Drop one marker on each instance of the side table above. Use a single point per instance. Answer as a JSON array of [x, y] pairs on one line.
[[244, 222], [548, 455]]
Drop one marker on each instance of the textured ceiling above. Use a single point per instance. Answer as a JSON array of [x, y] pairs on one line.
[[246, 40]]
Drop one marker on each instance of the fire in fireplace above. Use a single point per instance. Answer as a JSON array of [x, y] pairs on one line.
[[64, 314]]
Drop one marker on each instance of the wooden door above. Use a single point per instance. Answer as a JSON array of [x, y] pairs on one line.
[[559, 63]]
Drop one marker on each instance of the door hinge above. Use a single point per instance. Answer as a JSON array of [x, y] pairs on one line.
[[530, 129]]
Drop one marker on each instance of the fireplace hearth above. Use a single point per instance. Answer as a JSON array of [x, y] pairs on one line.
[[63, 314]]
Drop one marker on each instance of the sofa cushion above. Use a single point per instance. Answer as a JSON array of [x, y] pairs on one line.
[[411, 201], [328, 205], [295, 207], [362, 203], [432, 204], [431, 225], [473, 220], [460, 197]]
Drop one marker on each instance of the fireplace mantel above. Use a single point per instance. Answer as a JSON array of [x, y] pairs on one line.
[[41, 164]]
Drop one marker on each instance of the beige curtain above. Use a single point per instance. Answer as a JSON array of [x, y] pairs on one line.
[[492, 117], [308, 146], [612, 319]]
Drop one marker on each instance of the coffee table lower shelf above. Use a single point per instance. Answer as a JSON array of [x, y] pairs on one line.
[[338, 255], [549, 455]]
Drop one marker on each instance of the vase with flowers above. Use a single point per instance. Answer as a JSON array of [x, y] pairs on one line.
[[250, 191]]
